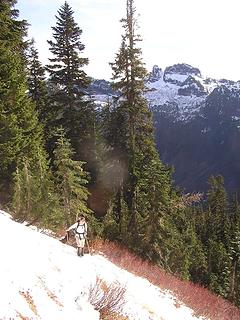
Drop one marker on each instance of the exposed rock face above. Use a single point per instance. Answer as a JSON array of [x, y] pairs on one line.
[[191, 87], [155, 74], [182, 68], [99, 87], [178, 73]]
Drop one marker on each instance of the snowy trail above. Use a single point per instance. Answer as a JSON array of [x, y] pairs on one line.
[[41, 278]]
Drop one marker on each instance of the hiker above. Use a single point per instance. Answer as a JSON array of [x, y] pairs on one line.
[[80, 229]]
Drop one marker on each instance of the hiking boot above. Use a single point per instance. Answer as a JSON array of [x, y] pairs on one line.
[[80, 252]]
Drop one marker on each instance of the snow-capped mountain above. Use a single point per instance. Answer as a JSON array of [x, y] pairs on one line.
[[197, 123], [179, 90]]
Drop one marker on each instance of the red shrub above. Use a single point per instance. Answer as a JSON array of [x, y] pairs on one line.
[[108, 299], [201, 300]]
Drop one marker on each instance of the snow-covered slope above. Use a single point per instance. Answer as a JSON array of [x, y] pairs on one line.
[[41, 278]]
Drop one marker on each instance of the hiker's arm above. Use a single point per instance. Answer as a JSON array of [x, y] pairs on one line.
[[72, 227], [85, 233]]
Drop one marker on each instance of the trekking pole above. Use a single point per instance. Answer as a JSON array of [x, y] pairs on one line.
[[67, 238], [88, 247]]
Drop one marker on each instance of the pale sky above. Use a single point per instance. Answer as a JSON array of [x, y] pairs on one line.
[[202, 33]]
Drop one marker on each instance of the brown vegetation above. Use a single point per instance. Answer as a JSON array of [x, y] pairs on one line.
[[202, 301], [30, 301], [108, 299], [20, 316], [50, 293]]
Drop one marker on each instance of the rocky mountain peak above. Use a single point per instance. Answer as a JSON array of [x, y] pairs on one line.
[[178, 73], [180, 91], [155, 74], [183, 69], [191, 86], [196, 120]]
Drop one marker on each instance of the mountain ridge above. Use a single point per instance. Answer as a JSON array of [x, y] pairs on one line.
[[197, 123], [179, 84]]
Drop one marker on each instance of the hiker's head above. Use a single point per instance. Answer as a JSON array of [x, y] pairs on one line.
[[81, 218]]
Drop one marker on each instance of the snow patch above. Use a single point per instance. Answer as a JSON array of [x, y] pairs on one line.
[[41, 278]]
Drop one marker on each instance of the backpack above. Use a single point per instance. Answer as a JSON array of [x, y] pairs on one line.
[[81, 228]]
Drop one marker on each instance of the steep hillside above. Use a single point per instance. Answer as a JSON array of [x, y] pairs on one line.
[[41, 278]]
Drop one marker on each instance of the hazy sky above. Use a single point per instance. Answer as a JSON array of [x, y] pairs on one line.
[[202, 33]]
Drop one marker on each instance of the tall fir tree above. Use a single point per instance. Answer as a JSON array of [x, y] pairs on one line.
[[219, 223], [70, 107], [37, 81], [234, 252], [20, 133], [71, 180], [134, 148], [219, 237], [217, 227]]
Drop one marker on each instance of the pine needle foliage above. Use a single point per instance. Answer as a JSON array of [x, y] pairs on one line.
[[20, 131], [70, 107], [139, 201], [71, 180], [34, 198], [37, 81]]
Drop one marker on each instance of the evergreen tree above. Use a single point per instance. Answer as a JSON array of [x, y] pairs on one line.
[[36, 81], [217, 228], [234, 253], [35, 199], [219, 223], [219, 236], [71, 180], [128, 76], [182, 250], [20, 133], [139, 200], [69, 107]]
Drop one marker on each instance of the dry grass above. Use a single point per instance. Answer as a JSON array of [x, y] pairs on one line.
[[50, 294], [115, 316], [20, 316], [108, 299], [30, 301], [202, 301]]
